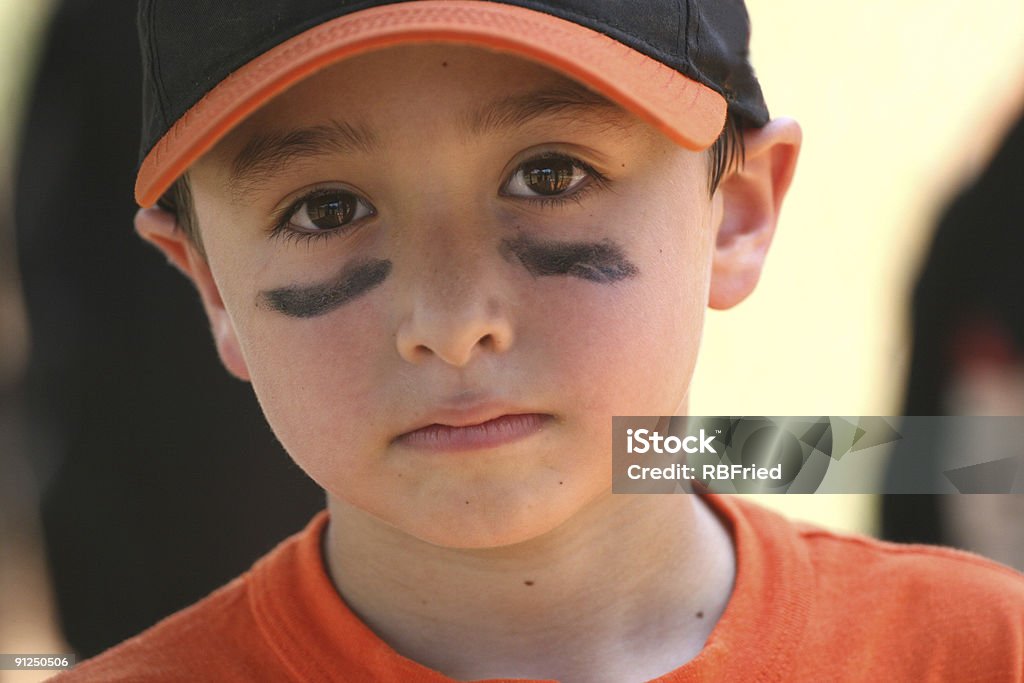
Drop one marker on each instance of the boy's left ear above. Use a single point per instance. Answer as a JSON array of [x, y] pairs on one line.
[[750, 200]]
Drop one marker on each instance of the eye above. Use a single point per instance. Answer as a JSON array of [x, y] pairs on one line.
[[325, 210], [548, 176]]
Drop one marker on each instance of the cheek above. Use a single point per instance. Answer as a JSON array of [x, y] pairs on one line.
[[637, 340], [627, 348], [316, 378], [317, 381]]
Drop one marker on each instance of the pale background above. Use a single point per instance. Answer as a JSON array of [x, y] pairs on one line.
[[900, 101]]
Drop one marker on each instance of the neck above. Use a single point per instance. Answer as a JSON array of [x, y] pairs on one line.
[[631, 587]]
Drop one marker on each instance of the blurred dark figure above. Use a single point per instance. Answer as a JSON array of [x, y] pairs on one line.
[[968, 351], [163, 480]]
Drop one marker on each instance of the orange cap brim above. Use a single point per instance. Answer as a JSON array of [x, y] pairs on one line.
[[688, 112]]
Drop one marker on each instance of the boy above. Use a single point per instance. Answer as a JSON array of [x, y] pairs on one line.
[[447, 242]]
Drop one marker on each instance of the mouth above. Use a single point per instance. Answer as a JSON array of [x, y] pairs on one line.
[[464, 435]]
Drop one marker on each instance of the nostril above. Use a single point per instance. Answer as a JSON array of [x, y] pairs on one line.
[[450, 347], [453, 330]]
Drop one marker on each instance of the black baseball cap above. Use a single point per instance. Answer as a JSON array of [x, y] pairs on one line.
[[679, 65]]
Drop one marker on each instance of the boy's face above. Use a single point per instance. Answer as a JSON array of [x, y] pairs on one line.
[[439, 235]]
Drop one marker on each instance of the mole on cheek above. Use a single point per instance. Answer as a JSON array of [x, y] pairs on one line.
[[603, 262], [309, 301]]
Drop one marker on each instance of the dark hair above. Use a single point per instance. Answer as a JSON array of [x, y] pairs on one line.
[[178, 201], [725, 154]]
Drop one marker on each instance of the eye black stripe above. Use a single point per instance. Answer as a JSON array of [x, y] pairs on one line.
[[311, 301], [603, 262]]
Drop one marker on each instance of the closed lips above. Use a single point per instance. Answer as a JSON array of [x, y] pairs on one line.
[[484, 434]]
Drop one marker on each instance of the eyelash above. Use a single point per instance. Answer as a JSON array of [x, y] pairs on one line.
[[282, 229], [289, 235]]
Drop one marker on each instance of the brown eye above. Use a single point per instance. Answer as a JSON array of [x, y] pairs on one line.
[[547, 176], [331, 211], [328, 210]]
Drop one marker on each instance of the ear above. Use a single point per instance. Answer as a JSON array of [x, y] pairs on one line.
[[751, 198], [160, 228]]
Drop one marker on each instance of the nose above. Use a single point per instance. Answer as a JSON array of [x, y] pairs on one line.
[[457, 309]]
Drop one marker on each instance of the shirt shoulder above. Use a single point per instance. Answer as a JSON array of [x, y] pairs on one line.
[[230, 634], [846, 558], [214, 639], [836, 606], [916, 603]]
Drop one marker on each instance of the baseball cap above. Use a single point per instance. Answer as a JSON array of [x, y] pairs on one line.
[[680, 65]]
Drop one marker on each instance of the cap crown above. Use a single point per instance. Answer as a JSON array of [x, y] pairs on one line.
[[189, 46]]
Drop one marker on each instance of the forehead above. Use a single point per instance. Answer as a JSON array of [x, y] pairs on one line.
[[443, 89]]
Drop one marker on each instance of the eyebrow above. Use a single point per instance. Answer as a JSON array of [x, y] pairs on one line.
[[568, 99], [264, 153], [267, 151]]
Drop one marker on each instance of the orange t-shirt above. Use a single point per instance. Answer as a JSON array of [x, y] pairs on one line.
[[807, 605]]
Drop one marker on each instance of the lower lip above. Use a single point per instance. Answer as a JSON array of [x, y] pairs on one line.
[[496, 432]]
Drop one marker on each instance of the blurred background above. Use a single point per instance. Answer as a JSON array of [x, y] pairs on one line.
[[903, 104]]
